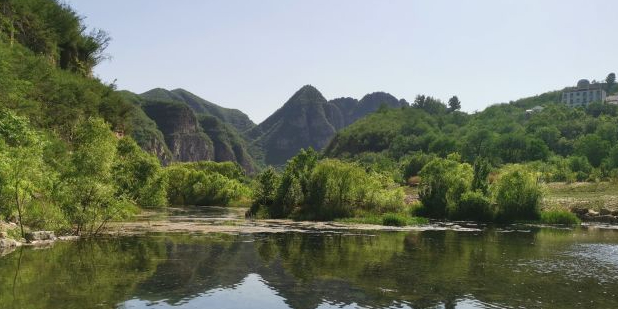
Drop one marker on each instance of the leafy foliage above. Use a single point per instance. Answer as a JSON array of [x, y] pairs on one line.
[[517, 194], [443, 181], [324, 190]]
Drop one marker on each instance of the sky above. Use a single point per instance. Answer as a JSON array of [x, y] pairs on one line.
[[253, 55]]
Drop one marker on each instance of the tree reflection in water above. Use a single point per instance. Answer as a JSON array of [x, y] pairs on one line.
[[537, 269]]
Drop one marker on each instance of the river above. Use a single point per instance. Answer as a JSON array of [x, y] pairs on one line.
[[494, 267]]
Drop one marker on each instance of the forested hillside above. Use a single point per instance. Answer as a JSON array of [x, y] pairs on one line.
[[566, 143]]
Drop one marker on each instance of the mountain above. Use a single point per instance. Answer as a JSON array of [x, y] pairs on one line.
[[239, 120], [307, 119], [179, 126]]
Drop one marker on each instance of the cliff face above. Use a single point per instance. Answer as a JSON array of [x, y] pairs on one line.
[[228, 144], [183, 135], [179, 126], [237, 119], [308, 120]]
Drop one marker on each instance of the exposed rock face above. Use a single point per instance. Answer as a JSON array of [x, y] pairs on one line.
[[183, 135], [180, 126], [308, 120]]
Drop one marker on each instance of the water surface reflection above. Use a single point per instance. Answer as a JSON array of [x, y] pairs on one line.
[[543, 268]]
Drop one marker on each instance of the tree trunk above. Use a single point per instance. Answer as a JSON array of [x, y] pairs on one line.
[[19, 212]]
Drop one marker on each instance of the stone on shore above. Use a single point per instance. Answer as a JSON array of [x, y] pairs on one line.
[[6, 243], [40, 235]]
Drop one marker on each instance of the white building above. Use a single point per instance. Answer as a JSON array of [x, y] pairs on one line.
[[584, 94], [612, 99]]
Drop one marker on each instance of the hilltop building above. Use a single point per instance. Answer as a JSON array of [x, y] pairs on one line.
[[584, 93]]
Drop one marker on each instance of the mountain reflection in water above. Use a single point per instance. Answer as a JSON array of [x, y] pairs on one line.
[[544, 268]]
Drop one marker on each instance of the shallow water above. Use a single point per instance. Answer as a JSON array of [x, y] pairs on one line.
[[538, 268]]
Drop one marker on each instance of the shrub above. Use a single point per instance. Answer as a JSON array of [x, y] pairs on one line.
[[580, 166], [443, 182], [559, 217], [517, 194], [413, 164], [393, 219], [187, 186], [473, 205], [330, 189]]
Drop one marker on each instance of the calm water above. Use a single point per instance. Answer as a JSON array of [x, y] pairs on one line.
[[543, 268]]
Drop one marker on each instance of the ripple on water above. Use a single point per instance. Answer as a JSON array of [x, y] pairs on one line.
[[579, 262]]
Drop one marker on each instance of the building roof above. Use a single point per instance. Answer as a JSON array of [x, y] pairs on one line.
[[585, 85]]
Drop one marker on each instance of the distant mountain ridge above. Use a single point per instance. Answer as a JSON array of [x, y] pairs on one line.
[[307, 119], [177, 125]]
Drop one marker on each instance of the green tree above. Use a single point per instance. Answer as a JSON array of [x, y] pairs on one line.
[[480, 181], [138, 175], [21, 165], [593, 148], [89, 196], [443, 182], [296, 176], [610, 80], [517, 194], [454, 104], [265, 187]]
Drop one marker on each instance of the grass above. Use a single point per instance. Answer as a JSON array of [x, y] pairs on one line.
[[559, 217], [591, 195], [388, 219]]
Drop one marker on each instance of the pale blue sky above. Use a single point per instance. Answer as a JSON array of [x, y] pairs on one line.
[[253, 55]]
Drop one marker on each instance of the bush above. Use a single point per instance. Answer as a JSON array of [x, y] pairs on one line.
[[517, 194], [443, 182], [393, 219], [559, 217], [187, 186], [473, 205], [413, 164], [324, 190]]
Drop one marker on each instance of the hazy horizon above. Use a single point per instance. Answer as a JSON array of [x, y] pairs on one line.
[[253, 56]]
